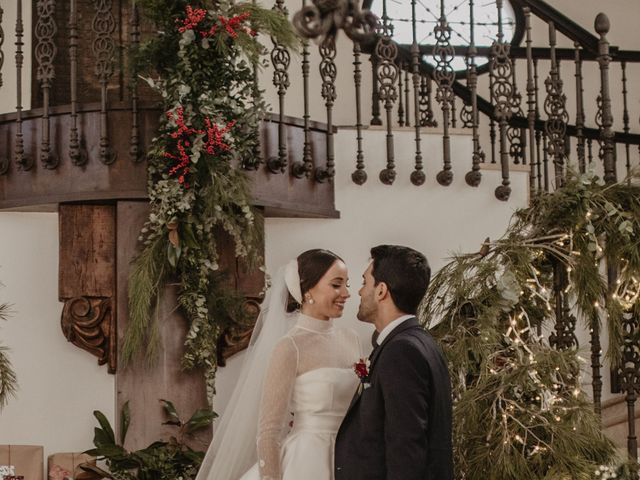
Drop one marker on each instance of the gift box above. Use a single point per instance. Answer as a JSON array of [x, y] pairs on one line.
[[26, 460], [67, 465]]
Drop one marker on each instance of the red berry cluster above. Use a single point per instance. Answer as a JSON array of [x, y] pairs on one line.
[[194, 17], [214, 145], [232, 25], [215, 136]]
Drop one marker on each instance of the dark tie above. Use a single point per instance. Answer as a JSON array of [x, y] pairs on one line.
[[373, 351]]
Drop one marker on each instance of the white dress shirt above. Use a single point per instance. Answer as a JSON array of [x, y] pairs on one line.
[[389, 328]]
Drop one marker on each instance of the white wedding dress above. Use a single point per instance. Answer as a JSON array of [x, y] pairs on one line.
[[308, 388]]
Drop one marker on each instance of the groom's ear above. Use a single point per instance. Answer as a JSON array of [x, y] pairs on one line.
[[382, 291]]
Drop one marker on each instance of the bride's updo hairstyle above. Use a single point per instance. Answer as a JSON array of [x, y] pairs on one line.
[[312, 265]]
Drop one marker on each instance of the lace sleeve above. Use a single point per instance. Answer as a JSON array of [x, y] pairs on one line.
[[274, 407]]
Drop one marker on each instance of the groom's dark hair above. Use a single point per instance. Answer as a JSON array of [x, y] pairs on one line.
[[406, 273]]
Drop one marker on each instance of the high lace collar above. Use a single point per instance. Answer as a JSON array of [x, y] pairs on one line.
[[314, 324]]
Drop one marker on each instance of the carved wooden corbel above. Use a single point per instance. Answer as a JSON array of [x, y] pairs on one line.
[[87, 272], [88, 323], [234, 340]]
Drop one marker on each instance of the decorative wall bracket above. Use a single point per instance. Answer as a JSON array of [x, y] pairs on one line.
[[87, 272], [89, 323]]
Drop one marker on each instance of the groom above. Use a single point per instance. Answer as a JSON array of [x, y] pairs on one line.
[[398, 426]]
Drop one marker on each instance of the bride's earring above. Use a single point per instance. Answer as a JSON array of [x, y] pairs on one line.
[[309, 300]]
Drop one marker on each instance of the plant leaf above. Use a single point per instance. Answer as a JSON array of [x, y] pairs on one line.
[[106, 426], [170, 410], [200, 419], [125, 420]]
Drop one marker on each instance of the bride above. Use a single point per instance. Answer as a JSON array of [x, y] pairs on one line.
[[296, 382]]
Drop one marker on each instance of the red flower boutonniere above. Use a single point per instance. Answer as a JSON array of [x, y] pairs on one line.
[[362, 370]]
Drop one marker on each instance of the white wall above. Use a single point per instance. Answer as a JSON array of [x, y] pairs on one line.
[[59, 384]]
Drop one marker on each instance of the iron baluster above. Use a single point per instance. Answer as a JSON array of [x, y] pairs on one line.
[[104, 49], [625, 116], [45, 53], [444, 77], [280, 59], [328, 74], [375, 92], [386, 53], [400, 97], [554, 105], [514, 134], [531, 106], [359, 176], [77, 155], [305, 168], [24, 162], [580, 118], [502, 94], [473, 177], [604, 58], [418, 176], [407, 91]]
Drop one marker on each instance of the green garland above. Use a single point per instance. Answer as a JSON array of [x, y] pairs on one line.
[[8, 380], [519, 410], [202, 64]]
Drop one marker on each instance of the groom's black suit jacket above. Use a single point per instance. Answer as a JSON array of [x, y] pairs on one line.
[[399, 428]]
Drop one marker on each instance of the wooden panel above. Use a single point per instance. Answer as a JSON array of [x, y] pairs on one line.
[[87, 251], [143, 386]]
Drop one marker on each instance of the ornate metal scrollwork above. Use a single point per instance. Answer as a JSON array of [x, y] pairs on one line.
[[514, 134], [628, 374], [305, 168], [104, 48], [596, 352], [563, 337], [501, 93], [324, 18], [444, 77], [88, 323], [427, 118], [557, 117], [387, 73], [45, 53], [328, 73], [280, 59], [466, 113]]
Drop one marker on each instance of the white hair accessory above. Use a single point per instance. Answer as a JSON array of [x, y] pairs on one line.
[[292, 280]]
